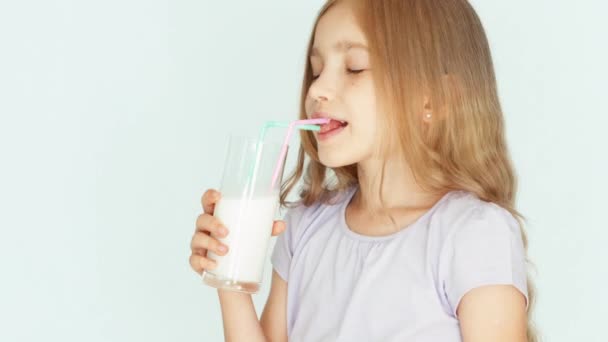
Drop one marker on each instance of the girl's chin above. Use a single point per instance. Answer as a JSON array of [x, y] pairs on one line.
[[334, 160]]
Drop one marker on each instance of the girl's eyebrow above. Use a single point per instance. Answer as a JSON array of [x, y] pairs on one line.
[[343, 45]]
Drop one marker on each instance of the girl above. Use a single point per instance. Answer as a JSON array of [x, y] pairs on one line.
[[405, 229]]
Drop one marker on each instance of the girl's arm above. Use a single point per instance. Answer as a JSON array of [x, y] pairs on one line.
[[240, 319], [239, 316], [274, 316], [493, 313]]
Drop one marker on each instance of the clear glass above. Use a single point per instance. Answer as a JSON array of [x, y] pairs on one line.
[[247, 208]]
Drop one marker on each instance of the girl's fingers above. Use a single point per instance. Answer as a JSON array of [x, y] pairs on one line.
[[210, 197], [278, 227], [207, 223], [200, 263], [200, 251], [204, 241]]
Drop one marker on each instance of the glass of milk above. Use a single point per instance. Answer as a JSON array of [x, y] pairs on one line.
[[247, 208]]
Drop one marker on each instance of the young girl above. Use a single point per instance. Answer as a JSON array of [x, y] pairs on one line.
[[412, 235]]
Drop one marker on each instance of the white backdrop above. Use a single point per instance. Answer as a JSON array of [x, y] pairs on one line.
[[113, 121]]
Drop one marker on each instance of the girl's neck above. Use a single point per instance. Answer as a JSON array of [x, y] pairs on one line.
[[399, 189]]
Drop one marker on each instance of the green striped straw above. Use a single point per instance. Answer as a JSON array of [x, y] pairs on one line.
[[271, 124]]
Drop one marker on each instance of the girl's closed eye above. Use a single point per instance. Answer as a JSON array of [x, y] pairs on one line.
[[350, 71]]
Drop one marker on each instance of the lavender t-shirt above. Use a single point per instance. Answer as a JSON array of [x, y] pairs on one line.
[[347, 287]]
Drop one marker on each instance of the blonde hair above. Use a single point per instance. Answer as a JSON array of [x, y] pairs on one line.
[[438, 49]]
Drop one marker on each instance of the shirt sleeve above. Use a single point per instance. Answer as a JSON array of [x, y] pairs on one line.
[[282, 252], [485, 249]]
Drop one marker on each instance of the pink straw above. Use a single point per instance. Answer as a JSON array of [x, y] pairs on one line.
[[286, 143]]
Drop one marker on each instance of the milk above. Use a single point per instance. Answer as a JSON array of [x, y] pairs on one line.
[[249, 223]]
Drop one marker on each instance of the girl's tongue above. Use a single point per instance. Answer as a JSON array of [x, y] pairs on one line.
[[331, 125]]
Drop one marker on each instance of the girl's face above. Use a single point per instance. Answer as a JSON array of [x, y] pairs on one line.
[[342, 90]]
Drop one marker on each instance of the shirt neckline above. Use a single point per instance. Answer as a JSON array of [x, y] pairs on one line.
[[371, 238]]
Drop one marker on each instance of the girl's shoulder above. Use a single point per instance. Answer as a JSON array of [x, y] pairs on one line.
[[467, 227], [461, 208], [475, 243]]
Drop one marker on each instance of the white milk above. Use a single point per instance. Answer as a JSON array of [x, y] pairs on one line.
[[249, 232]]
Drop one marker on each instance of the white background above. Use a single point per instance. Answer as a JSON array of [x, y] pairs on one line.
[[113, 121]]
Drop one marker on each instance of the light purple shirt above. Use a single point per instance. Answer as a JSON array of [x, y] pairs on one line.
[[348, 287]]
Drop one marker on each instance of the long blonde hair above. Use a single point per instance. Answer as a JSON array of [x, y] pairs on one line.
[[438, 49]]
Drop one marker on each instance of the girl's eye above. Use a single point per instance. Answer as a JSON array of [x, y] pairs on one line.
[[350, 71]]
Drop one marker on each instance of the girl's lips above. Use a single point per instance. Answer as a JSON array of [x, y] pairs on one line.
[[328, 133]]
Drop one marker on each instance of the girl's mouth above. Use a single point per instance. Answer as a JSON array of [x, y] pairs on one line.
[[331, 129]]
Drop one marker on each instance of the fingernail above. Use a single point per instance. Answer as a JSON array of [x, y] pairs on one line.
[[222, 249], [223, 231]]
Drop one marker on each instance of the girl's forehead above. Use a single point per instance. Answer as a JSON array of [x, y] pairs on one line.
[[338, 30]]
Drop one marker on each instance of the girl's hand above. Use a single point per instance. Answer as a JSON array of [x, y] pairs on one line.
[[206, 223]]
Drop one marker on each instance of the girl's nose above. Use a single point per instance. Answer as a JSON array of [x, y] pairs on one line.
[[320, 98], [320, 92]]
